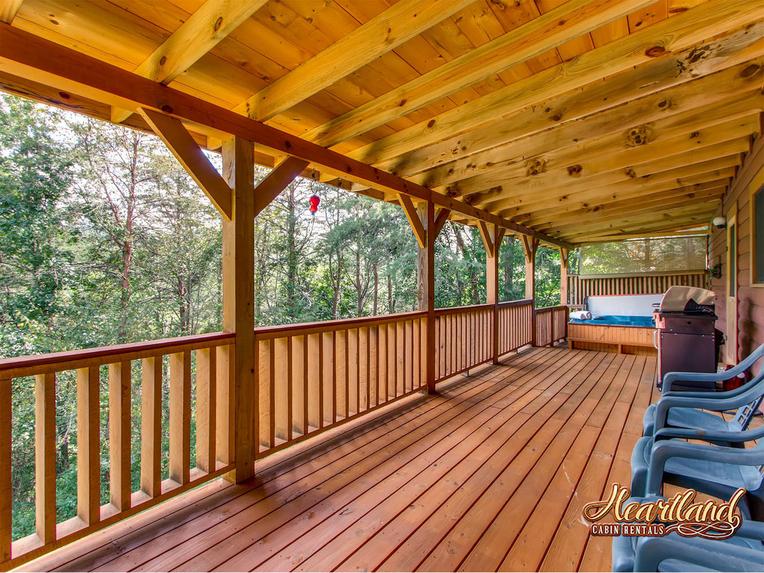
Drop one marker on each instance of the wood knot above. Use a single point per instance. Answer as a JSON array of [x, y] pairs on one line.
[[218, 23], [655, 51], [694, 135], [750, 71], [431, 123], [636, 136], [629, 171], [574, 170], [535, 166], [697, 54], [166, 108], [162, 60], [664, 103], [64, 95]]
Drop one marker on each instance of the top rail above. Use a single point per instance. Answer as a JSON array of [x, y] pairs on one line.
[[279, 331], [70, 360]]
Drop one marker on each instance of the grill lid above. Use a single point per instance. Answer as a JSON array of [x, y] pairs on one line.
[[687, 299]]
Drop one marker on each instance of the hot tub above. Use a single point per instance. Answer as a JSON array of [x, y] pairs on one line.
[[618, 320], [626, 334]]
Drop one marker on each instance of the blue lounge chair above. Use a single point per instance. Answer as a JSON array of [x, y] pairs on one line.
[[742, 552], [693, 417], [716, 470]]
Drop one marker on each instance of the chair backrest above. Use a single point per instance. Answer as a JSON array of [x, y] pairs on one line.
[[745, 414]]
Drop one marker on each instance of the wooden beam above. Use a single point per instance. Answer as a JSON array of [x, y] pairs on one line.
[[378, 36], [202, 31], [179, 141], [704, 93], [673, 34], [539, 35], [22, 53], [441, 219], [9, 9], [276, 181], [564, 253], [412, 215], [426, 264], [239, 394], [492, 238]]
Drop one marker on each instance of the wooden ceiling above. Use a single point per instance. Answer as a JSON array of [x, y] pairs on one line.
[[586, 120]]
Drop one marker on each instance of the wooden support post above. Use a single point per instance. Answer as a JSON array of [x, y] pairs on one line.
[[530, 246], [492, 236], [88, 445], [238, 395], [119, 435], [6, 488], [427, 279], [45, 457], [564, 276]]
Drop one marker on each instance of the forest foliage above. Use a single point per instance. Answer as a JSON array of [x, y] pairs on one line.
[[104, 239]]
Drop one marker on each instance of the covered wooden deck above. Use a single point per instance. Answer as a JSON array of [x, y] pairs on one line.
[[491, 473]]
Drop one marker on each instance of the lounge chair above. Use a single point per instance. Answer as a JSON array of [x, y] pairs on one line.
[[694, 417], [742, 552], [715, 470]]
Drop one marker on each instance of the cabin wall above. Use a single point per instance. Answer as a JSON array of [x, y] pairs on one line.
[[750, 299]]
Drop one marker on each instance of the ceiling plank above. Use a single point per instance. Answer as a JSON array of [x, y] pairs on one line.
[[539, 35], [204, 29], [703, 93], [179, 141], [675, 34], [381, 34], [25, 54], [580, 163], [644, 85], [9, 9]]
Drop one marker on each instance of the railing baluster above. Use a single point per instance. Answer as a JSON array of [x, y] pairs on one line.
[[6, 490], [180, 417], [88, 445], [45, 456], [305, 389], [119, 434], [272, 393], [290, 391], [206, 394], [151, 426]]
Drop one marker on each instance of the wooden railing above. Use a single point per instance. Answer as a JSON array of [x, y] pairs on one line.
[[582, 286], [551, 325], [515, 325], [463, 339], [201, 360], [312, 377]]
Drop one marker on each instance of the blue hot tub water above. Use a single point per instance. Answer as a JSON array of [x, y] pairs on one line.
[[618, 320]]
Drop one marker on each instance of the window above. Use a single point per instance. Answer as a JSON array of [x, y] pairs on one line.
[[757, 254]]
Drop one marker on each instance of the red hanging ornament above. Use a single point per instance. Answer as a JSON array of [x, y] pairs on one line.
[[314, 201]]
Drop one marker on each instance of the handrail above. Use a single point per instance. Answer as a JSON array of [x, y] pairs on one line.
[[466, 308], [73, 359], [338, 324], [521, 302]]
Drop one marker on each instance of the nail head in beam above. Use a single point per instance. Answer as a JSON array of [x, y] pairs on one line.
[[179, 141]]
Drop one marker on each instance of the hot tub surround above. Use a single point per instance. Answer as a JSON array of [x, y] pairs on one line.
[[614, 333]]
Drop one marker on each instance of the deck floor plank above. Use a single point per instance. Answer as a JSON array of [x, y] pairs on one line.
[[490, 474]]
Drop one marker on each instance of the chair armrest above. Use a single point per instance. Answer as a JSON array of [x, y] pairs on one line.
[[717, 405], [665, 450], [709, 435], [736, 370], [703, 553]]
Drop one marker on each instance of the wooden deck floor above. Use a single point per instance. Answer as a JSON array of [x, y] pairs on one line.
[[489, 475]]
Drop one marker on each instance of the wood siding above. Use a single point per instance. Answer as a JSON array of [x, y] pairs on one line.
[[750, 299]]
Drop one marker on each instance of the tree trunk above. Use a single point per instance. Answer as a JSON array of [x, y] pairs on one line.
[[291, 296], [375, 300]]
